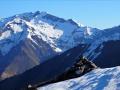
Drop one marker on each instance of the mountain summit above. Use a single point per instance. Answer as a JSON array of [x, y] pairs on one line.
[[60, 34]]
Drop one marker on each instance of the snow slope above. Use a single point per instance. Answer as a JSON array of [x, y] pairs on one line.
[[99, 79]]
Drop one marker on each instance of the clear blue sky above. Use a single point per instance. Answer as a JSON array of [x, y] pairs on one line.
[[95, 13]]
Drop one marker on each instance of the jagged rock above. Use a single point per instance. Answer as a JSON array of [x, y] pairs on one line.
[[80, 68]]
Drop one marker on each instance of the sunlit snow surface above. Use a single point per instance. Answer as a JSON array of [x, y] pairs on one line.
[[60, 34], [99, 79]]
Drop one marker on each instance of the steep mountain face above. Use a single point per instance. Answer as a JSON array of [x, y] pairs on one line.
[[60, 34], [28, 39], [24, 56]]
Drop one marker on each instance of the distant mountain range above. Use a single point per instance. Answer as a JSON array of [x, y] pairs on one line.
[[28, 39]]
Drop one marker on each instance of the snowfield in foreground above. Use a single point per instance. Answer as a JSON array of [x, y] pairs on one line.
[[99, 79]]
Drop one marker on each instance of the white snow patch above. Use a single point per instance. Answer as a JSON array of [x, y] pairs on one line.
[[79, 23], [5, 35], [16, 28], [58, 50], [88, 31], [99, 79]]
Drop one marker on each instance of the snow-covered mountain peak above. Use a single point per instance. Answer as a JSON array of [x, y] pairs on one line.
[[59, 33], [79, 23]]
